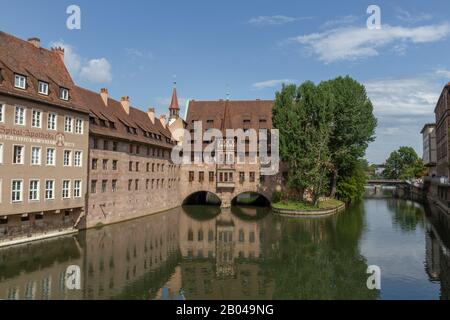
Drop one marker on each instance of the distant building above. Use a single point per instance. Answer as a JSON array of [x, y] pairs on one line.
[[429, 147], [442, 131], [43, 142]]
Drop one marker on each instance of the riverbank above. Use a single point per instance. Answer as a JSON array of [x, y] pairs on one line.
[[302, 209]]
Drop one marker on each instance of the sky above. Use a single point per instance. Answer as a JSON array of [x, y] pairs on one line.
[[138, 48]]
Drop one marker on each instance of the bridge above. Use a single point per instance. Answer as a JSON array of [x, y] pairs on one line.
[[390, 182]]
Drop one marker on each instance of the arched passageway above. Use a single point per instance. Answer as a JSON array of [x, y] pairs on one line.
[[204, 198], [250, 199]]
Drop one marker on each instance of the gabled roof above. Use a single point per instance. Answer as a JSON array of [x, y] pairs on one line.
[[114, 112], [21, 57], [225, 114]]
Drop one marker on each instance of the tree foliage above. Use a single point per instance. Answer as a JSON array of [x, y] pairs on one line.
[[403, 164], [350, 185]]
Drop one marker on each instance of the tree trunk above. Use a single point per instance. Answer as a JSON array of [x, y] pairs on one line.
[[334, 178]]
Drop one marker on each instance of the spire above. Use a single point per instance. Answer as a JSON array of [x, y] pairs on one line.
[[174, 108]]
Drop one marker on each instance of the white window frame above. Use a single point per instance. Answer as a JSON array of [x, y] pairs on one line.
[[39, 156], [2, 112], [23, 154], [37, 191], [1, 153], [39, 120], [79, 129], [66, 124], [54, 123], [80, 162], [21, 190], [24, 118], [77, 190], [64, 94], [70, 158], [52, 190], [45, 85], [63, 189], [53, 163], [20, 81]]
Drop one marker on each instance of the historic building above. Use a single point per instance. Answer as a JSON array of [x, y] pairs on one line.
[[442, 130], [130, 169], [429, 148], [231, 174], [43, 142]]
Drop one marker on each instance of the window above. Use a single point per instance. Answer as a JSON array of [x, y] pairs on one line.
[[104, 185], [66, 189], [148, 167], [147, 184], [114, 165], [201, 176], [19, 116], [49, 189], [16, 190], [79, 126], [241, 177], [191, 176], [20, 81], [95, 144], [130, 166], [35, 156], [51, 121], [130, 183], [64, 94], [137, 166], [36, 116], [105, 164], [1, 153], [136, 184], [77, 189], [68, 124], [94, 164], [77, 159], [114, 185], [115, 146], [18, 154], [252, 177], [43, 88], [94, 186], [34, 190], [2, 112], [67, 158], [105, 145], [211, 176]]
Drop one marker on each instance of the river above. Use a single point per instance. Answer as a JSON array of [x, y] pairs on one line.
[[242, 253]]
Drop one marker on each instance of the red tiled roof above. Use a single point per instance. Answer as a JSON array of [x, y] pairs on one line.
[[114, 112], [21, 57], [224, 114]]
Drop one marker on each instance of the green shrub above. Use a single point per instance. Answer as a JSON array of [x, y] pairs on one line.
[[276, 197]]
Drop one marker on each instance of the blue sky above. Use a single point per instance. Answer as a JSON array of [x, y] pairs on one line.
[[136, 47]]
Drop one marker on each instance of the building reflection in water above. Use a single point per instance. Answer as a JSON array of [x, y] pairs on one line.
[[438, 249], [206, 253]]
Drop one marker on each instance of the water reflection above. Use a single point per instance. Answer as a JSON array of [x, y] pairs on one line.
[[240, 253]]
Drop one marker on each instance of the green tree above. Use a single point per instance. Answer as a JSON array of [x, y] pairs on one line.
[[353, 126], [351, 185], [303, 116], [403, 164]]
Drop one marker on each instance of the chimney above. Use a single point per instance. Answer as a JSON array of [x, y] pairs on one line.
[[35, 42], [125, 101], [59, 51], [163, 120], [151, 114], [104, 95]]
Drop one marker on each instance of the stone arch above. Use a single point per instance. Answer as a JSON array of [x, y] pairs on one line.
[[261, 199], [202, 197]]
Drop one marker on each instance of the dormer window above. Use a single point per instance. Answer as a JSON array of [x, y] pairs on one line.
[[20, 81], [92, 120], [102, 123], [43, 88], [112, 125], [64, 94]]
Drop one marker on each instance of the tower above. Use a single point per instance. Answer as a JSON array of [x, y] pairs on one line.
[[174, 108]]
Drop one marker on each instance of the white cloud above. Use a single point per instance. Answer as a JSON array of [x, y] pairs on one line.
[[274, 20], [93, 70], [97, 71], [271, 83], [346, 20], [353, 43], [444, 73], [406, 16]]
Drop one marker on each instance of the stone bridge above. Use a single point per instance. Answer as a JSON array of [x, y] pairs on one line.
[[227, 191]]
